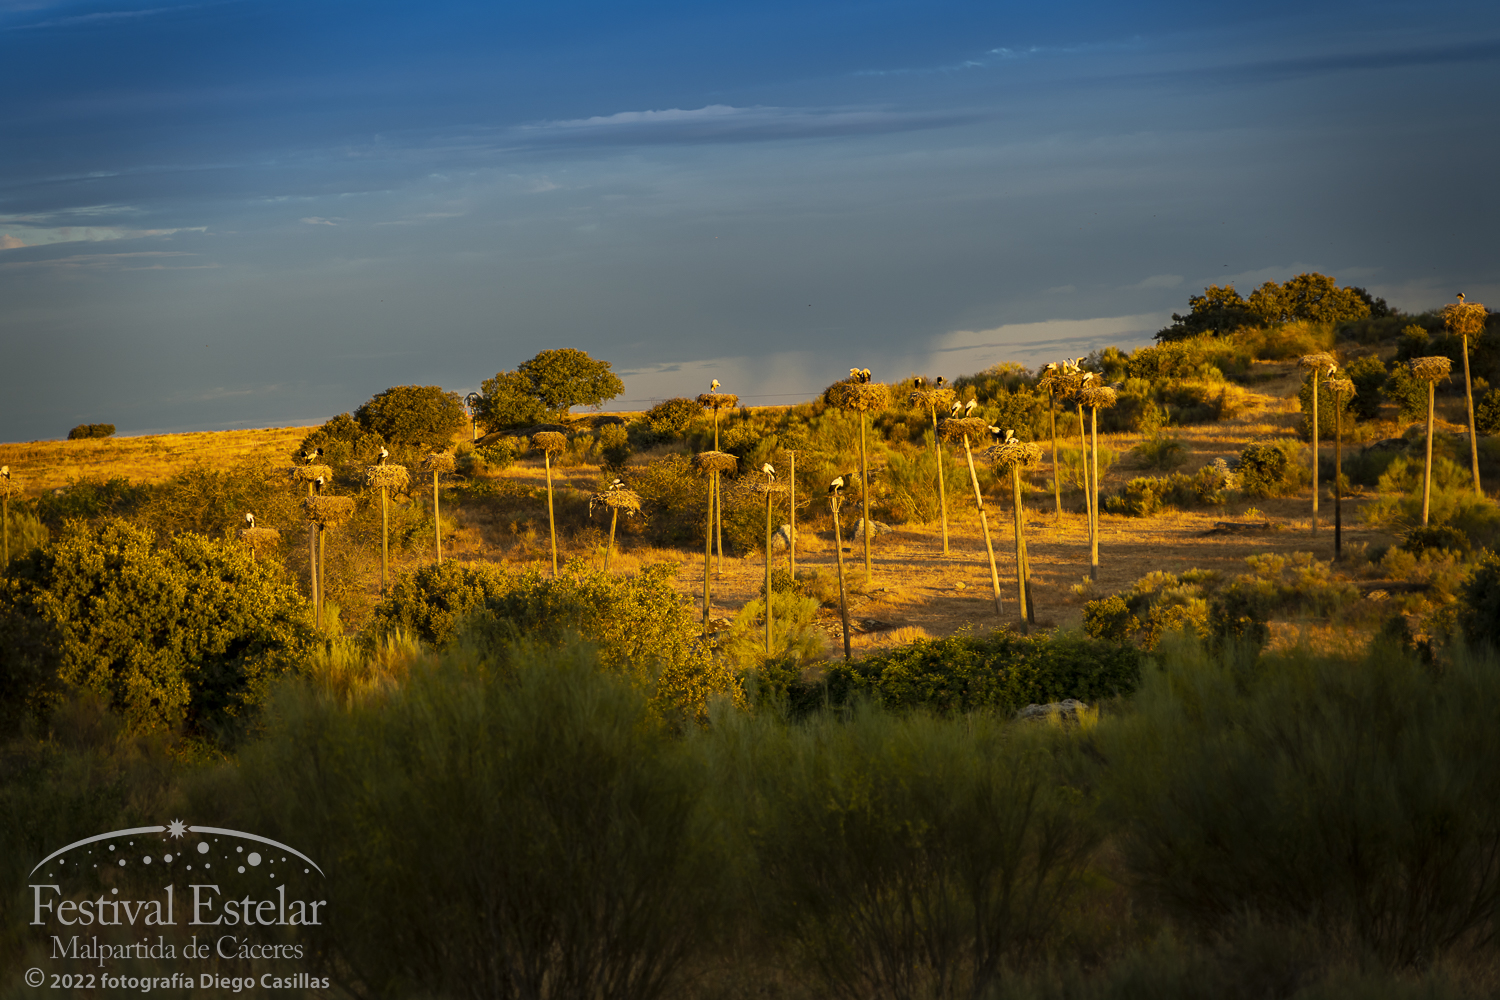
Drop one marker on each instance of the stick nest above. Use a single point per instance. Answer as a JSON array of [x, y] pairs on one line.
[[862, 397], [392, 477], [326, 512], [1341, 387], [1465, 318], [9, 487], [932, 397], [718, 400], [1431, 369], [551, 442], [1097, 396], [1062, 383], [310, 473], [761, 487], [1014, 455], [438, 461], [627, 500], [1320, 360], [260, 539], [958, 428], [706, 462]]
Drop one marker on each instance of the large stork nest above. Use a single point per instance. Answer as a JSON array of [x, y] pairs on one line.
[[1341, 387], [759, 486], [550, 442], [706, 462], [1317, 361], [1432, 368], [1013, 455], [958, 428], [933, 397], [310, 473], [1466, 319], [438, 461], [326, 512], [718, 400], [861, 397], [622, 499], [261, 539], [1097, 396], [393, 477]]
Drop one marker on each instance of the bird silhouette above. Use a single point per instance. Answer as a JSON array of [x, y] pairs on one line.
[[1050, 367], [854, 374], [384, 455], [318, 485], [714, 385], [311, 455], [917, 381], [1460, 298], [4, 472], [955, 408], [768, 470], [617, 485], [250, 520], [836, 485], [1010, 436], [969, 407], [864, 374], [940, 382]]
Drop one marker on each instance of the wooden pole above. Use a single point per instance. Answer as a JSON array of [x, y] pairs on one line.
[[385, 534], [1094, 507], [1338, 468], [1083, 451], [551, 519], [718, 508], [1021, 602], [984, 525], [791, 542], [312, 560], [768, 574], [864, 495], [5, 500], [937, 454], [614, 516], [838, 551], [708, 552], [1056, 474], [1427, 468], [1315, 450], [1473, 440], [322, 589]]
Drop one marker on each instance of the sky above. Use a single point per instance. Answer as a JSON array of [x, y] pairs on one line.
[[247, 213]]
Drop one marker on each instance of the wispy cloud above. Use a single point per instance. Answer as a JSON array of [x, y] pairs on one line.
[[1155, 281], [318, 220], [102, 17], [13, 237], [141, 260], [723, 122]]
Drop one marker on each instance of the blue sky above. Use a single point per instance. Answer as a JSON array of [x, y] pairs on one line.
[[242, 213]]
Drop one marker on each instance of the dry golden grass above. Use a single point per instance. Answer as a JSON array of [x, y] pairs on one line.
[[151, 458]]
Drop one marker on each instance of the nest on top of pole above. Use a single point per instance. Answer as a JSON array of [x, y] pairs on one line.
[[718, 400], [1431, 369], [326, 511], [438, 461], [260, 539], [311, 473], [1013, 455], [621, 499], [862, 397], [1341, 387], [550, 442], [707, 462], [933, 397], [1318, 361], [958, 428], [761, 487], [391, 477], [1101, 396]]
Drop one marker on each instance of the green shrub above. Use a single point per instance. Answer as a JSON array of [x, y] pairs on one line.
[[343, 440], [1487, 413], [1440, 537], [794, 638], [1327, 409], [1270, 469], [90, 498], [520, 828], [1408, 392], [27, 532], [1358, 798], [1158, 452], [433, 601], [1480, 615], [1369, 376], [190, 633], [84, 431], [499, 454], [670, 419], [419, 416], [1000, 671], [674, 500], [905, 857]]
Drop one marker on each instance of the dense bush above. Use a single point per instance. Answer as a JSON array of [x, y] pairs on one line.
[[419, 416], [1358, 801], [85, 431], [1000, 671], [1271, 469], [1408, 392], [670, 418], [433, 601], [1369, 376], [1480, 616], [1487, 413], [89, 498], [190, 633], [343, 439], [1328, 409], [1147, 495]]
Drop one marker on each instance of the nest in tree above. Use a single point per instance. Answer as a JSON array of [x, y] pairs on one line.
[[862, 397], [1466, 319], [932, 397], [311, 473], [393, 477], [1097, 396], [1320, 360], [627, 500], [326, 512], [718, 400], [1014, 455], [958, 428], [260, 539], [550, 441], [438, 461], [1341, 387], [1432, 368], [706, 462]]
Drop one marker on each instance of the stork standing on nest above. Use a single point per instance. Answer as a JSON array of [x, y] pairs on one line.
[[250, 521], [769, 470], [384, 454], [713, 386]]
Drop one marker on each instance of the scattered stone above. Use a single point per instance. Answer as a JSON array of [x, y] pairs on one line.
[[880, 529], [1242, 527], [960, 585], [781, 539], [1067, 710]]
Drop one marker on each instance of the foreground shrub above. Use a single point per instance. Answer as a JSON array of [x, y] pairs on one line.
[[84, 431], [905, 857], [1272, 469], [188, 634], [540, 835], [1359, 799], [1480, 615], [432, 602], [1002, 671]]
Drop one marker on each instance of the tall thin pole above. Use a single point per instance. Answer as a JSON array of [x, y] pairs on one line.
[[708, 553], [1427, 468], [864, 495], [322, 603], [312, 561], [838, 551], [437, 525], [1094, 507], [1083, 450], [614, 516], [1056, 475], [1473, 440], [791, 542], [551, 520], [5, 501], [718, 507], [385, 533], [768, 573], [984, 525], [1021, 601], [1338, 470], [1315, 451], [937, 455]]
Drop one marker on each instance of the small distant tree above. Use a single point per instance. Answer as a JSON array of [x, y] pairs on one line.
[[422, 416], [1217, 311], [1313, 297], [671, 417], [84, 431], [547, 386]]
